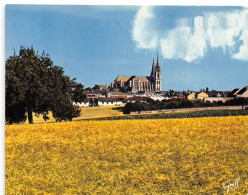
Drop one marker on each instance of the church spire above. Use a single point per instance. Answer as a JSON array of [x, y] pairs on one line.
[[157, 59], [153, 68]]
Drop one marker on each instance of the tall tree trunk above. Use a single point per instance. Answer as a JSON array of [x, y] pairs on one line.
[[30, 115], [29, 109]]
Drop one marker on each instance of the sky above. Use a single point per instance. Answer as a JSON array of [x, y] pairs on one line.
[[197, 46]]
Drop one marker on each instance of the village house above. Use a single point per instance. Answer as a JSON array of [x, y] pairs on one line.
[[144, 99], [234, 92], [218, 96], [243, 93], [197, 96], [110, 101], [95, 94], [191, 96], [85, 103], [101, 101], [117, 94], [201, 95]]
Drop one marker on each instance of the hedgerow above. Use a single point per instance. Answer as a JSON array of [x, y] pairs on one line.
[[195, 114]]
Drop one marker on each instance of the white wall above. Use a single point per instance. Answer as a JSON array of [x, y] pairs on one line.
[[216, 99], [109, 103], [83, 104]]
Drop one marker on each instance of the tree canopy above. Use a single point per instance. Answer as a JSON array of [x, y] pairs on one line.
[[35, 85]]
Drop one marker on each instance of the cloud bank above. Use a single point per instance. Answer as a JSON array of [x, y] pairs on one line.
[[189, 39]]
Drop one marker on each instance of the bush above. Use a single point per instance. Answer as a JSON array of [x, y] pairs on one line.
[[236, 102], [137, 106], [66, 112]]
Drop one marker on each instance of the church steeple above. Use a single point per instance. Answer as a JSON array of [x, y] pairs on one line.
[[153, 68], [157, 77], [157, 59]]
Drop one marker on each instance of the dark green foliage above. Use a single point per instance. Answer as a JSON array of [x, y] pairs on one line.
[[65, 112], [15, 113], [165, 104], [174, 104], [34, 84], [138, 106], [236, 102], [96, 87], [88, 89], [78, 94], [195, 114]]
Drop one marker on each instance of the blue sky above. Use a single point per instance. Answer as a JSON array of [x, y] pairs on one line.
[[198, 46]]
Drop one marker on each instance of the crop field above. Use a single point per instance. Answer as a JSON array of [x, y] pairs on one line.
[[86, 113], [157, 156]]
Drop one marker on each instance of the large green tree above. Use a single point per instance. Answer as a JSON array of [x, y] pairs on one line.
[[35, 85], [78, 94]]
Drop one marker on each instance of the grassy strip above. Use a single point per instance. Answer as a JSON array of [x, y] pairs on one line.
[[195, 114]]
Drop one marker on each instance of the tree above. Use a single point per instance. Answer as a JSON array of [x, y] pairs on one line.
[[88, 89], [35, 85], [93, 102], [237, 102], [63, 109], [96, 87], [78, 94]]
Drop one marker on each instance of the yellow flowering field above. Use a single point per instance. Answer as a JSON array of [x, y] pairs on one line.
[[160, 156]]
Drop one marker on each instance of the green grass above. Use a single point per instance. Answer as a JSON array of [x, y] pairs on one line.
[[195, 114]]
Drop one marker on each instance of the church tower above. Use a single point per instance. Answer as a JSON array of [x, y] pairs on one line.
[[156, 76], [153, 69], [157, 80]]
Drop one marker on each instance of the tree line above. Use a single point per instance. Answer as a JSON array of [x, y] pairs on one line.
[[173, 104], [35, 85]]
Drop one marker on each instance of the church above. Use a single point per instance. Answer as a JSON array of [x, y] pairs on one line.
[[150, 83]]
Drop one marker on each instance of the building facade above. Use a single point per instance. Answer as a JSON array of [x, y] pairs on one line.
[[141, 83]]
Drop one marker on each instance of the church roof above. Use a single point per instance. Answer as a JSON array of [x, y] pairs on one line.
[[127, 78], [123, 78], [142, 78]]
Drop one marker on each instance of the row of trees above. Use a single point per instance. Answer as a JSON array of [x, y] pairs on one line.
[[35, 85], [173, 104]]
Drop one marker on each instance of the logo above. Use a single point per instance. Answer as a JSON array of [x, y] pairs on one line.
[[230, 185]]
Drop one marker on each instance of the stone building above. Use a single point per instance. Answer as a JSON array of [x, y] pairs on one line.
[[150, 83]]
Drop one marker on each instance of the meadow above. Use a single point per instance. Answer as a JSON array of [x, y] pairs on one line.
[[157, 156], [86, 113]]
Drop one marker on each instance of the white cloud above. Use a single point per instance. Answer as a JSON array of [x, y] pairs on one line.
[[243, 49], [190, 38], [182, 43], [145, 39]]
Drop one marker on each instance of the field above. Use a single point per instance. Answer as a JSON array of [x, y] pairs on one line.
[[157, 156], [86, 113]]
